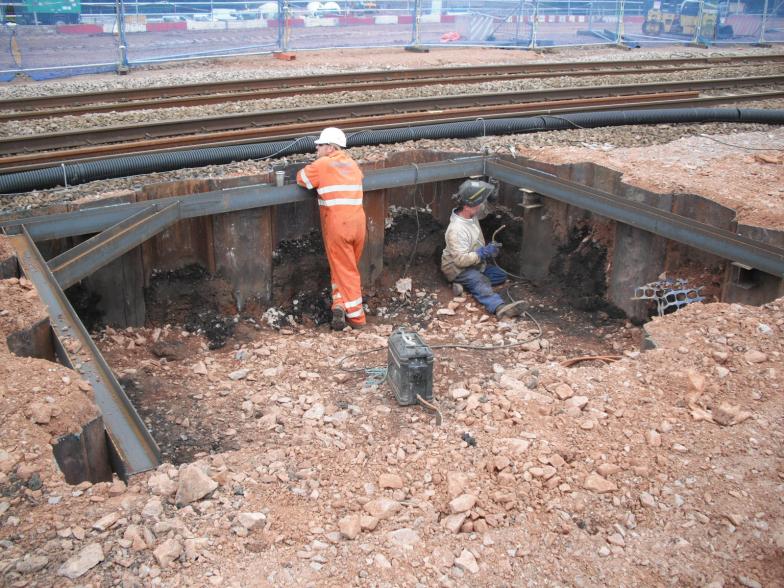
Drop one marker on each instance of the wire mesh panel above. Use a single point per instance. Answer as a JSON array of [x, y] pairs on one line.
[[707, 23], [521, 23], [8, 48], [49, 38], [164, 31], [566, 22], [472, 22], [350, 23]]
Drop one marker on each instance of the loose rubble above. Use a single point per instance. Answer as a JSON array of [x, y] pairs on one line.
[[663, 468]]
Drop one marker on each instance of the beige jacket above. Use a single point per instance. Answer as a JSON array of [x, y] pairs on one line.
[[463, 237]]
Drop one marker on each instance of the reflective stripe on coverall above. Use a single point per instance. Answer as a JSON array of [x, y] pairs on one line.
[[338, 182]]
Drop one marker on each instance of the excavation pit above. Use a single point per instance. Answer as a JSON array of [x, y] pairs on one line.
[[250, 287], [191, 318]]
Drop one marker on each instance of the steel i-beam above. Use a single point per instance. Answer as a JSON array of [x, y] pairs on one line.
[[132, 448], [91, 255], [720, 242], [94, 220]]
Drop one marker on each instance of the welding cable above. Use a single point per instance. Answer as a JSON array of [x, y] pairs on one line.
[[434, 408], [464, 346], [416, 215]]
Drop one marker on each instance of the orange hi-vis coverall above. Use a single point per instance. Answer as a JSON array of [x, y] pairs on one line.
[[338, 182]]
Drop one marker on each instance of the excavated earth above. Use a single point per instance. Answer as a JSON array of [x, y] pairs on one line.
[[656, 468]]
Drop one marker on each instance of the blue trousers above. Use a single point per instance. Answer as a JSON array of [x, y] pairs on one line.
[[480, 285]]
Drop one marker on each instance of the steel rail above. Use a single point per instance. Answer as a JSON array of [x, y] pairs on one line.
[[187, 101], [164, 92], [36, 160], [720, 242], [21, 144], [132, 448], [17, 163], [94, 253], [96, 219]]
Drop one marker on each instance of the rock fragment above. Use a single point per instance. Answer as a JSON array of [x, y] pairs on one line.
[[467, 562], [194, 485], [462, 503], [82, 562], [596, 483]]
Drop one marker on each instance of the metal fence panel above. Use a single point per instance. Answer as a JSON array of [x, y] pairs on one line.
[[47, 38], [350, 23], [176, 31]]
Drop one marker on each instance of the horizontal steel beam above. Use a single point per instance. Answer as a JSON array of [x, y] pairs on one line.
[[95, 220], [690, 232], [133, 448], [91, 255]]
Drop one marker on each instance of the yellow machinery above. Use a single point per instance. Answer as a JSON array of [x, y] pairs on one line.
[[686, 19]]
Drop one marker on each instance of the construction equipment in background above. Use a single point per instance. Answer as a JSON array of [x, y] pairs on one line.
[[687, 18], [363, 7]]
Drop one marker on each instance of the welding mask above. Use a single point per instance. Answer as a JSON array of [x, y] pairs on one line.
[[474, 192]]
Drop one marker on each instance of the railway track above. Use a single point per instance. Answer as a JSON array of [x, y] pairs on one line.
[[26, 162], [256, 89], [428, 105]]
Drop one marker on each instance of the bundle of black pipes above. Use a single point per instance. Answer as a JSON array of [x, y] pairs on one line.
[[79, 173]]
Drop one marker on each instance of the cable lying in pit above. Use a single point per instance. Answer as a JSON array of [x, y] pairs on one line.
[[79, 173]]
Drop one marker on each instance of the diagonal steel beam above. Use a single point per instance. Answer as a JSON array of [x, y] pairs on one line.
[[95, 220], [690, 232], [132, 447], [82, 260]]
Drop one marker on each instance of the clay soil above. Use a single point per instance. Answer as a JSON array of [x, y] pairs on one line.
[[656, 468]]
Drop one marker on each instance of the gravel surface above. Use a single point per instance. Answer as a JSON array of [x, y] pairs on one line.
[[73, 123], [664, 468], [192, 72], [312, 63]]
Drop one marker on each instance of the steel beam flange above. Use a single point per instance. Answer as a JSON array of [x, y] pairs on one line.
[[132, 448], [99, 218], [719, 242], [91, 255]]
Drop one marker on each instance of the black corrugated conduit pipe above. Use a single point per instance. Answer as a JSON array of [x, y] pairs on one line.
[[79, 173]]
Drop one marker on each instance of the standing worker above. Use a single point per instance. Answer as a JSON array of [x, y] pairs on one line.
[[338, 182], [465, 257]]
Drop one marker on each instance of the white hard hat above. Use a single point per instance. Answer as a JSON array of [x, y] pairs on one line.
[[332, 136]]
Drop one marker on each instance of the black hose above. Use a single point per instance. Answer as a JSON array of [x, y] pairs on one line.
[[79, 173]]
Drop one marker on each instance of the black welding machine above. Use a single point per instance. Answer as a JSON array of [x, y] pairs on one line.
[[409, 367]]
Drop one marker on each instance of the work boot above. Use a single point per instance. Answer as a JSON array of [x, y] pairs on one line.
[[457, 289], [356, 326], [510, 310], [338, 319]]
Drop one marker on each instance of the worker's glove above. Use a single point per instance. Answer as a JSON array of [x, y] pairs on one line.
[[488, 251]]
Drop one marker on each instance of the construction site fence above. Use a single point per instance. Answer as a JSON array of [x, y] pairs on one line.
[[54, 38]]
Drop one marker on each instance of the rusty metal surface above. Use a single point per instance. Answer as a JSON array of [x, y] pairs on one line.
[[88, 256], [280, 92], [26, 162], [720, 242], [132, 447], [360, 80], [29, 143]]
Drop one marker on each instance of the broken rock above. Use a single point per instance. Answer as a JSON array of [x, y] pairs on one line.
[[82, 562], [194, 485], [382, 508], [350, 526], [467, 562], [167, 552], [252, 520], [596, 483], [404, 538], [462, 503]]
